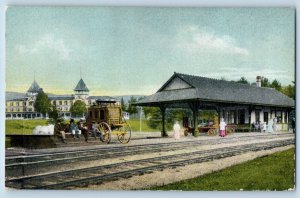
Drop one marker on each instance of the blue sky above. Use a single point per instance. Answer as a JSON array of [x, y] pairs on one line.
[[135, 50]]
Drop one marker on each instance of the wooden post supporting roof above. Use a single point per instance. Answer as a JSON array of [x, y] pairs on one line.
[[194, 107], [162, 108], [250, 109]]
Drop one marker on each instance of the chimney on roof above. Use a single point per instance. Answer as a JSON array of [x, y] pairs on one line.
[[258, 81]]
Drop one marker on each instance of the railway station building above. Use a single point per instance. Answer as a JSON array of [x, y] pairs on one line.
[[237, 103]]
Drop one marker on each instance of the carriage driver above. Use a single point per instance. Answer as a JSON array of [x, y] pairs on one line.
[[96, 130]]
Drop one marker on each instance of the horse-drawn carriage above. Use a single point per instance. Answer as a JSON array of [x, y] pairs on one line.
[[107, 114], [210, 129]]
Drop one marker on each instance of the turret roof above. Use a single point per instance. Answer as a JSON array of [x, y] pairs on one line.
[[34, 88], [81, 86]]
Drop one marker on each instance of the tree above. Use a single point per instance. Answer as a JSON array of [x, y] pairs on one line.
[[53, 114], [265, 82], [148, 111], [42, 103], [155, 118], [131, 107], [123, 106], [289, 91], [78, 108], [243, 80], [276, 85]]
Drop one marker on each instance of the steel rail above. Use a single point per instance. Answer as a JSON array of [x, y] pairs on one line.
[[26, 182]]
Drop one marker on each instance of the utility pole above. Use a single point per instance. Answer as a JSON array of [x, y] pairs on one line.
[[141, 119]]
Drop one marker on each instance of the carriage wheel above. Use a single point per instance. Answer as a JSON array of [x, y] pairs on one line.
[[212, 132], [229, 130], [186, 132], [124, 134], [106, 132]]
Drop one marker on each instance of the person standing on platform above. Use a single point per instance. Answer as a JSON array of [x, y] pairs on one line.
[[275, 124], [270, 126], [293, 125], [176, 129], [222, 127]]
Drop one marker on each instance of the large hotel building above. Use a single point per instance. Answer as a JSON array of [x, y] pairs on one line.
[[23, 107]]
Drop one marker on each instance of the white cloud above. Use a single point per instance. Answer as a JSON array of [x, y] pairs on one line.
[[195, 39], [46, 42]]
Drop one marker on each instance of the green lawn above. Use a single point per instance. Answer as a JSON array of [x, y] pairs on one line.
[[135, 126], [24, 127], [273, 172]]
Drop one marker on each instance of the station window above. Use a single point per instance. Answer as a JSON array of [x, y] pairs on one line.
[[101, 114], [66, 102], [60, 102], [31, 103]]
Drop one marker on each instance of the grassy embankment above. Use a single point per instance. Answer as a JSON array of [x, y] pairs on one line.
[[23, 127], [273, 172], [135, 126]]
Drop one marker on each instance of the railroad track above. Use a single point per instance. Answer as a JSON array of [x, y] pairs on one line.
[[99, 174], [23, 165]]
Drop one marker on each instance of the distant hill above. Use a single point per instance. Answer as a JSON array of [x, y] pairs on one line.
[[126, 98]]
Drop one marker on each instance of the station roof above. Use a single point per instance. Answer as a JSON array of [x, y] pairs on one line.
[[184, 88]]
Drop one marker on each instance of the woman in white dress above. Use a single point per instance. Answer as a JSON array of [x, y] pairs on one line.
[[176, 129]]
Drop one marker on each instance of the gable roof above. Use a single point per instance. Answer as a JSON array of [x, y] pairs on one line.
[[208, 89], [34, 88], [81, 86], [174, 77]]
